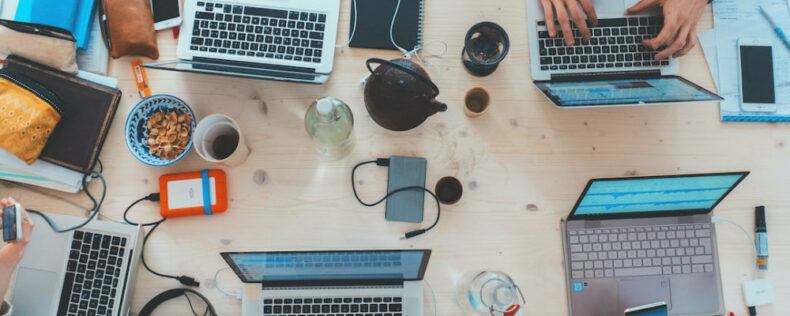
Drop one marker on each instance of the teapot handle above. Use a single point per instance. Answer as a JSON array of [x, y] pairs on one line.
[[404, 69]]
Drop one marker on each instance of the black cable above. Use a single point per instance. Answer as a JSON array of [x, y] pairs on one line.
[[94, 210], [383, 162], [155, 197]]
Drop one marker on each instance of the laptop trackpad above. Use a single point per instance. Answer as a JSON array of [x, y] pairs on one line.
[[638, 292], [33, 292]]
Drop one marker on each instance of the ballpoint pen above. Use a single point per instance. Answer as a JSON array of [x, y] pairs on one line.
[[777, 28]]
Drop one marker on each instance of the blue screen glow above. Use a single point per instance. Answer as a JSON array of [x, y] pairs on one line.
[[587, 93], [322, 266], [606, 197]]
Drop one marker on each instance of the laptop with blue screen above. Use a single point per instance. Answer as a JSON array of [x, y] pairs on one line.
[[378, 282], [634, 241]]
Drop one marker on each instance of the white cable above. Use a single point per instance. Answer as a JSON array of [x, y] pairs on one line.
[[433, 297], [719, 219], [353, 27], [236, 295]]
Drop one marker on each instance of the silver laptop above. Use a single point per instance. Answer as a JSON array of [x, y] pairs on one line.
[[89, 271], [381, 282], [612, 68], [635, 241], [290, 40]]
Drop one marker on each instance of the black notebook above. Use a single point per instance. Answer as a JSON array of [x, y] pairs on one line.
[[375, 17], [88, 110]]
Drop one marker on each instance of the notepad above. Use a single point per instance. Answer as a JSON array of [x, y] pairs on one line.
[[75, 16], [374, 18]]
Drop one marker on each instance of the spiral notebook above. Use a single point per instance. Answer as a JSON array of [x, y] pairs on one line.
[[374, 20]]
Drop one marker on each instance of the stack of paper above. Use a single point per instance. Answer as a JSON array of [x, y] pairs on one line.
[[735, 19], [42, 173]]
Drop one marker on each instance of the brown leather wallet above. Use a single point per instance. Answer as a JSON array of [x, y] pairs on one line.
[[128, 28]]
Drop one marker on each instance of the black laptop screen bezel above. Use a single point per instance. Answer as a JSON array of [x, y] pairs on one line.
[[361, 282], [593, 78], [652, 214]]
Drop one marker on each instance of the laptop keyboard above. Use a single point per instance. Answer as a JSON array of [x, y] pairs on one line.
[[641, 251], [92, 274], [258, 32], [343, 306], [616, 43]]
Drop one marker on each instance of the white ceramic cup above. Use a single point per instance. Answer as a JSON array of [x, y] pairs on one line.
[[209, 129]]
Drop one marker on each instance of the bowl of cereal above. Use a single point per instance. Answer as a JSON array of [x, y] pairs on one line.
[[159, 130]]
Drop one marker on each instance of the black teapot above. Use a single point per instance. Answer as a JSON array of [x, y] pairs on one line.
[[399, 94]]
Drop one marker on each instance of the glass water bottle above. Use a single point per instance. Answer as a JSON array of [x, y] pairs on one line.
[[330, 123]]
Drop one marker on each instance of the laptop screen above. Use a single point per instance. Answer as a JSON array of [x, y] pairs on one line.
[[676, 195], [623, 91], [329, 265]]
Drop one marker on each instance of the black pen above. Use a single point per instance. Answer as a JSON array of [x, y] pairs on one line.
[[761, 237]]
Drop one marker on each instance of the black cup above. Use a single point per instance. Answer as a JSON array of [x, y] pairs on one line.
[[485, 46]]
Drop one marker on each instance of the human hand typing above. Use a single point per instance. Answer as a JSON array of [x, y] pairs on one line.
[[679, 34], [566, 10]]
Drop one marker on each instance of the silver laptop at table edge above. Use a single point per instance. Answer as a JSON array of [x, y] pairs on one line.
[[604, 9], [685, 294], [253, 66], [410, 289], [41, 274], [666, 73]]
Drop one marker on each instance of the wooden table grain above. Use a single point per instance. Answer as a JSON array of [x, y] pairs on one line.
[[523, 165]]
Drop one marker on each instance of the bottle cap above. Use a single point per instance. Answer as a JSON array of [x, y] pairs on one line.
[[324, 106]]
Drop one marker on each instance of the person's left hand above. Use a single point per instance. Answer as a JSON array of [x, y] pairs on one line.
[[679, 34], [12, 252]]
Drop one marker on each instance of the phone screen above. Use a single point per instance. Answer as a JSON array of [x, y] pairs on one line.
[[165, 10], [757, 74]]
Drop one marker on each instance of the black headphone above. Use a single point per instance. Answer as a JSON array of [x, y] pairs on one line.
[[171, 294]]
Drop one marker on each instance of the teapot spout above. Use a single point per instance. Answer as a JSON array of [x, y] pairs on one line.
[[438, 106]]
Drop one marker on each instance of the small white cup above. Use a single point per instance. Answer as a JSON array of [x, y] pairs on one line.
[[217, 125]]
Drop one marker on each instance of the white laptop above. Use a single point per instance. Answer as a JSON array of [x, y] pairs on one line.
[[612, 68], [380, 282], [89, 271], [290, 40]]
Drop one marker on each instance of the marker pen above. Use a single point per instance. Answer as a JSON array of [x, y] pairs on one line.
[[761, 237]]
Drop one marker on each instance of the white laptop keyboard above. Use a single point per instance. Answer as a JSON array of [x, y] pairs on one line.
[[257, 31], [641, 251]]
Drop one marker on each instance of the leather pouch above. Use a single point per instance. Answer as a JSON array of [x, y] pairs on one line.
[[29, 113], [129, 28], [49, 46]]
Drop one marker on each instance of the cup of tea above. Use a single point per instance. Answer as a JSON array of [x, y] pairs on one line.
[[218, 139], [485, 46], [477, 102]]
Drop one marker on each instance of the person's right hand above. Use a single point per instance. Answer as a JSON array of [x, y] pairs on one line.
[[12, 252], [567, 10]]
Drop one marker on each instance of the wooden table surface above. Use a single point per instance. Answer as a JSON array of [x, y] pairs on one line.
[[523, 165]]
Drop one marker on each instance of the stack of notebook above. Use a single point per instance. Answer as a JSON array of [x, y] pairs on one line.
[[89, 103]]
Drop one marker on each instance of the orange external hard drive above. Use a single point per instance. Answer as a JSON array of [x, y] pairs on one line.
[[193, 193]]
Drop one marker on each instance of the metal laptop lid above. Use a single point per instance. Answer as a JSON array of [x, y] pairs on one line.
[[622, 89], [654, 196], [337, 268]]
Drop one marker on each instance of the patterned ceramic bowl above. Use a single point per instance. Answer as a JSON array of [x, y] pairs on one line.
[[137, 132]]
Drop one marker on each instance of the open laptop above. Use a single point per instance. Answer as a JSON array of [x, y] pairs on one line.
[[89, 271], [635, 241], [290, 40], [333, 282], [612, 68]]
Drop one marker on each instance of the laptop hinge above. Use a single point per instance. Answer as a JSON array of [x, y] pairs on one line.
[[330, 283], [233, 63], [614, 75]]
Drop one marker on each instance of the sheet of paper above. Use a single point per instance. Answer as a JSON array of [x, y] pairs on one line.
[[729, 76], [95, 57], [726, 12], [707, 40]]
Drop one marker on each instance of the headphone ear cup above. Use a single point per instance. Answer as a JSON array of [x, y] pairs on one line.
[[159, 299], [171, 294]]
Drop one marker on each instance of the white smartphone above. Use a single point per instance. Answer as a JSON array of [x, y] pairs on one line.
[[167, 14], [756, 63]]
